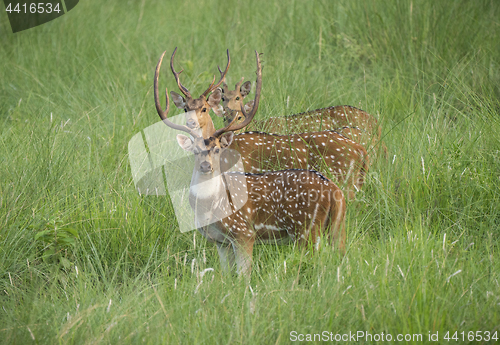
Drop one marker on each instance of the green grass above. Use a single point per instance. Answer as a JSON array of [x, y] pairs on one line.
[[85, 259]]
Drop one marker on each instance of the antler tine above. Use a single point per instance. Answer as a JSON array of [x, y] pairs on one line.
[[258, 87], [183, 89], [220, 71], [237, 86], [224, 85], [161, 112], [248, 116], [222, 77], [210, 87]]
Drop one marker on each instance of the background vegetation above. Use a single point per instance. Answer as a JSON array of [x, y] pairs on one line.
[[85, 259]]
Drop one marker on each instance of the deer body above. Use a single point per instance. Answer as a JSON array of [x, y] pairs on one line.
[[354, 123], [342, 157], [278, 206], [236, 210], [323, 119]]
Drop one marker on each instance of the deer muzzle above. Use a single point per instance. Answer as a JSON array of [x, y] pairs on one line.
[[205, 167], [191, 123]]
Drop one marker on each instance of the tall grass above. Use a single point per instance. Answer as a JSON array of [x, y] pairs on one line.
[[85, 259]]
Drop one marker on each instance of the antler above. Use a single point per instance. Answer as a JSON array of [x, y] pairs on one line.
[[248, 116], [223, 76], [238, 85], [163, 113], [183, 89]]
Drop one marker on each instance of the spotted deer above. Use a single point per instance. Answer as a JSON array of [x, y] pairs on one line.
[[326, 151], [354, 123], [196, 109], [237, 210]]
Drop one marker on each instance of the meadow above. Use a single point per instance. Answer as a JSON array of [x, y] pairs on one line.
[[85, 259]]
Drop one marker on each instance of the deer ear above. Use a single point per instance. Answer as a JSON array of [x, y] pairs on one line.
[[218, 110], [226, 139], [185, 142], [214, 99], [245, 88], [249, 106], [179, 101]]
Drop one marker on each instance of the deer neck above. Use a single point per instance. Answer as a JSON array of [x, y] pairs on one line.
[[207, 195], [206, 186]]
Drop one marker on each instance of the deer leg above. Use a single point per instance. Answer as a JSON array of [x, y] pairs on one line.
[[350, 181], [243, 253], [226, 256], [318, 223], [337, 223]]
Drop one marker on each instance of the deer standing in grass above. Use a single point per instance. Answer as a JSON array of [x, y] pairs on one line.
[[326, 151], [354, 123], [237, 210]]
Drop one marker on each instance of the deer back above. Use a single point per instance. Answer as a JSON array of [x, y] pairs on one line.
[[327, 151]]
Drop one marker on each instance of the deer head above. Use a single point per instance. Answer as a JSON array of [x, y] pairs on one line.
[[231, 100], [206, 151], [197, 109], [205, 148]]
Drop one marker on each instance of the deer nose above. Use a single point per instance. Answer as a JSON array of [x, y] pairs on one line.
[[205, 167], [191, 123]]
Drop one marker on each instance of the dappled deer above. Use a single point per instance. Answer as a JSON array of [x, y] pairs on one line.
[[237, 210], [197, 109], [354, 123], [344, 159], [326, 151]]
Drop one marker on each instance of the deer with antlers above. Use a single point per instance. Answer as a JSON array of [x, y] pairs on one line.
[[326, 151], [354, 123], [237, 210], [196, 109]]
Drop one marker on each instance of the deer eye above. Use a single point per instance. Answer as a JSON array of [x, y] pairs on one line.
[[203, 110], [223, 99], [237, 98], [185, 110], [216, 150]]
